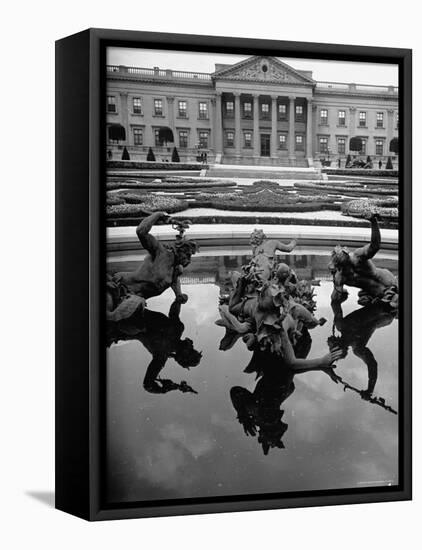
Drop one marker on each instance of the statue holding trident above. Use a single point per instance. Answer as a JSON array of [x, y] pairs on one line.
[[357, 269], [127, 291]]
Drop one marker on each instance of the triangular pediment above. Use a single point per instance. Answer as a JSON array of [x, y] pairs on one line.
[[262, 69]]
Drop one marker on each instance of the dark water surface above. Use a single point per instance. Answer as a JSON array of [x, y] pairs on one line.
[[174, 445]]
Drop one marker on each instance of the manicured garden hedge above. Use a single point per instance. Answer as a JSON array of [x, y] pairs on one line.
[[356, 189], [361, 172], [134, 184], [140, 205], [154, 165], [385, 208]]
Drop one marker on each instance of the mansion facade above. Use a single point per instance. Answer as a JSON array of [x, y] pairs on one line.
[[258, 111]]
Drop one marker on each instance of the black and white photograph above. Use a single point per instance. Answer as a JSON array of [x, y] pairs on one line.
[[252, 275]]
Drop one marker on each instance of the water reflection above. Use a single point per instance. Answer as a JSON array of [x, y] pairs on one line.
[[193, 445], [161, 335]]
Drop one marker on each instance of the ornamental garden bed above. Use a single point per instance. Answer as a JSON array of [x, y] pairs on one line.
[[386, 209], [179, 185], [352, 189]]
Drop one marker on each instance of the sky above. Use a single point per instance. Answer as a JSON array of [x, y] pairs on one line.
[[334, 71]]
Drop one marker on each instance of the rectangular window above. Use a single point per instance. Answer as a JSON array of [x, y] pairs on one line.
[[229, 108], [137, 136], [265, 110], [183, 109], [342, 118], [230, 139], [158, 107], [341, 146], [247, 109], [323, 145], [379, 147], [380, 120], [203, 110], [247, 139], [137, 106], [282, 141], [183, 138], [299, 113], [362, 118], [299, 143], [323, 116], [363, 149], [397, 121], [203, 140], [111, 104], [282, 111]]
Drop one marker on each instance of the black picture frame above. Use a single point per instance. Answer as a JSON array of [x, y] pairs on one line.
[[80, 260]]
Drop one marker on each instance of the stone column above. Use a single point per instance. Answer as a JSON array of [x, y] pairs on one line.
[[309, 136], [237, 135], [170, 106], [212, 118], [274, 126], [390, 130], [125, 116], [256, 152], [218, 125], [292, 154]]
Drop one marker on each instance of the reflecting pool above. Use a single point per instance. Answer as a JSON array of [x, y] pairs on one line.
[[215, 430]]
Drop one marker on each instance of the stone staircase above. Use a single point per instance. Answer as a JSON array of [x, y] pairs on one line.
[[263, 172], [264, 161]]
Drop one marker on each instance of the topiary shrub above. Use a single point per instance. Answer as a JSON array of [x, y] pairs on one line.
[[125, 154], [148, 203], [389, 165], [150, 155], [175, 156]]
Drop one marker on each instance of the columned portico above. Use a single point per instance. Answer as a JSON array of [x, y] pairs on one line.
[[291, 148]]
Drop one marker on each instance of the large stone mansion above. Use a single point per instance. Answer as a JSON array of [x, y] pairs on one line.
[[258, 111]]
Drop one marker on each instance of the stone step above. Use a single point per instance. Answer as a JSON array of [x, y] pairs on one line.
[[282, 174], [264, 161]]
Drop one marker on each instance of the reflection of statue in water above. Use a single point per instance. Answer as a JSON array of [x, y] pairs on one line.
[[160, 270], [357, 269], [259, 411], [356, 330], [162, 337]]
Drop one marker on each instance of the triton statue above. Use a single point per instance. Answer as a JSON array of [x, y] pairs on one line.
[[357, 269], [161, 269]]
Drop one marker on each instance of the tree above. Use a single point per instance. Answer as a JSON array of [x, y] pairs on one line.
[[150, 156], [394, 146], [125, 154], [175, 156], [368, 159], [165, 135], [355, 144], [389, 165]]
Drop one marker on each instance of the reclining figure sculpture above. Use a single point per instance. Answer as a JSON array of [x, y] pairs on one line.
[[127, 291], [358, 270]]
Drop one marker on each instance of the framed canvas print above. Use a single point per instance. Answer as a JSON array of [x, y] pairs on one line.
[[233, 233]]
